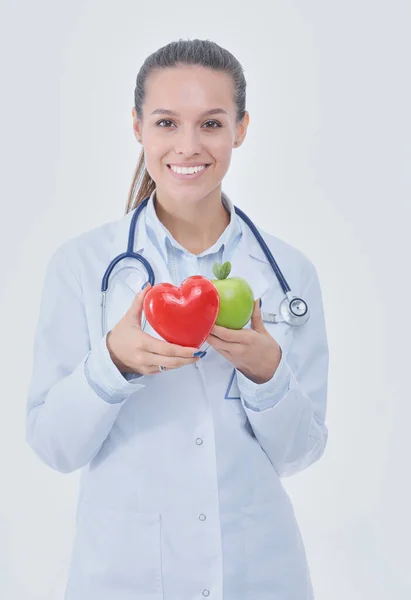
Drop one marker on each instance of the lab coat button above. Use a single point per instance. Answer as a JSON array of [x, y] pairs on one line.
[[202, 517], [199, 441], [206, 593]]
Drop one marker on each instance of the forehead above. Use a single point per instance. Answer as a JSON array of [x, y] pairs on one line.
[[191, 89]]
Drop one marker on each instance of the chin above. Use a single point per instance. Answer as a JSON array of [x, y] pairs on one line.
[[181, 195]]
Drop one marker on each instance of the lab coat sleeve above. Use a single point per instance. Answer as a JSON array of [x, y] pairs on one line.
[[287, 413], [104, 377], [70, 414]]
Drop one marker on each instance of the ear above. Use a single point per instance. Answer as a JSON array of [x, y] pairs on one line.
[[242, 129], [136, 126]]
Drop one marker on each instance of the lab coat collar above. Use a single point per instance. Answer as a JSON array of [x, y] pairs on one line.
[[163, 236], [248, 261]]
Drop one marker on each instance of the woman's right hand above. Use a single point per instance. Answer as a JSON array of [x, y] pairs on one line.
[[134, 351]]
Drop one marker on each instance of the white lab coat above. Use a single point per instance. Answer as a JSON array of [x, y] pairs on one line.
[[180, 494]]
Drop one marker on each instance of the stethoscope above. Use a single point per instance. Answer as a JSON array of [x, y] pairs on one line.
[[293, 310]]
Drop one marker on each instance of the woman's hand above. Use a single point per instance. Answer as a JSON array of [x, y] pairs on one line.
[[253, 351], [134, 351]]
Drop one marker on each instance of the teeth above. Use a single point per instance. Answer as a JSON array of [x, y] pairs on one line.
[[187, 170]]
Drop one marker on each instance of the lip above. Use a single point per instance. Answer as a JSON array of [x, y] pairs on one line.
[[187, 176]]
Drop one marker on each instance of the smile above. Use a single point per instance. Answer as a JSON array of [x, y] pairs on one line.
[[187, 172]]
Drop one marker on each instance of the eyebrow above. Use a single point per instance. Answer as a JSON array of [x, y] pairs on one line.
[[164, 111]]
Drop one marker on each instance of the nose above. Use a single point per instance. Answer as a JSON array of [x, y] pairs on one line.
[[187, 142]]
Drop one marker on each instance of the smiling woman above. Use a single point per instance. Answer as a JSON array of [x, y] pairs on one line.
[[186, 152], [181, 492]]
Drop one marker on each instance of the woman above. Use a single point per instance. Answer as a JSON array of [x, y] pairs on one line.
[[180, 494]]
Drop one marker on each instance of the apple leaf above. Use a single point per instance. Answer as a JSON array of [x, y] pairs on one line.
[[222, 271], [216, 270], [225, 270]]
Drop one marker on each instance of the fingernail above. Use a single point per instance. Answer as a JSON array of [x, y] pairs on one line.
[[199, 353], [203, 354], [261, 302]]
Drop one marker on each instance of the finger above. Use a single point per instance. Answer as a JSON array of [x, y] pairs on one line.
[[152, 361], [152, 370], [171, 362], [224, 348], [229, 335], [136, 309], [219, 344], [163, 348], [256, 318]]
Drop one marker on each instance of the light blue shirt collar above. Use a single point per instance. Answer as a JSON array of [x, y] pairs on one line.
[[161, 236]]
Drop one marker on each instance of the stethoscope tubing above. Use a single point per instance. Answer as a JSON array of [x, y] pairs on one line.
[[290, 316]]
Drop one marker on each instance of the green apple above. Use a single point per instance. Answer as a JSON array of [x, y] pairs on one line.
[[236, 298]]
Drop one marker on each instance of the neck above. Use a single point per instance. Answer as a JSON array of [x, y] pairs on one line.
[[195, 225]]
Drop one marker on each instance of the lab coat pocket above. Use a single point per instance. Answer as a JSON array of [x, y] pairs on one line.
[[117, 555]]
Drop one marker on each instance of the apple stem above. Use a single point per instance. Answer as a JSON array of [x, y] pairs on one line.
[[222, 271]]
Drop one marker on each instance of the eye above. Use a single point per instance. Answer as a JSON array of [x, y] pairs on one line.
[[212, 121], [164, 121]]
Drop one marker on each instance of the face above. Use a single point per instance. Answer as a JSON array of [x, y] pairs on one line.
[[176, 130]]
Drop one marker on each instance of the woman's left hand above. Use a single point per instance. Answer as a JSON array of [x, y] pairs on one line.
[[253, 351]]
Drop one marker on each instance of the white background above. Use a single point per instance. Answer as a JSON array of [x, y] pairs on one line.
[[323, 167]]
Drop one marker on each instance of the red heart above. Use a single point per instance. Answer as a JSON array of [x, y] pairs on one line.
[[183, 315]]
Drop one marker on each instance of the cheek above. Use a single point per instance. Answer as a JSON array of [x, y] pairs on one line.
[[154, 156], [221, 151], [223, 162]]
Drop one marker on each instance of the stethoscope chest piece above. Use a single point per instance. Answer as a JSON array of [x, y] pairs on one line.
[[294, 310]]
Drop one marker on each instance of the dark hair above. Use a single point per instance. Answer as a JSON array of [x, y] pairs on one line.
[[203, 53]]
